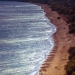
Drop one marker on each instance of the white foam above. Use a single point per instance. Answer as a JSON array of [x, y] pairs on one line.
[[17, 40], [23, 55]]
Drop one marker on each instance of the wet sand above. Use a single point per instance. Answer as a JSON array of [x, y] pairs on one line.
[[58, 58]]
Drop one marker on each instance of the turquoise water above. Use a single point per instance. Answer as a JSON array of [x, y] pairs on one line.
[[25, 38]]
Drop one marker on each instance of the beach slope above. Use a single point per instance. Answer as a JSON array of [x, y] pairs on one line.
[[58, 58]]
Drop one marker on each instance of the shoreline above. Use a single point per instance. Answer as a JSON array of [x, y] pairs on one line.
[[58, 57]]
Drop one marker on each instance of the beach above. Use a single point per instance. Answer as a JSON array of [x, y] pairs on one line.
[[58, 57]]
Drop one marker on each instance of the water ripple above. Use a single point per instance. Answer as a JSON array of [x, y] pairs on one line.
[[25, 38]]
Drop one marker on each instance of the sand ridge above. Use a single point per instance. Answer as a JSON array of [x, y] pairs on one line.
[[58, 58]]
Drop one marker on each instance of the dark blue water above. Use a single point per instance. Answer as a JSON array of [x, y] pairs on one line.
[[25, 38]]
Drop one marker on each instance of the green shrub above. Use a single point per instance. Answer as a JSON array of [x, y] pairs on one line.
[[70, 67]]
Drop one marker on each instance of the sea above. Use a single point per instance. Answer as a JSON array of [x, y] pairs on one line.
[[25, 38]]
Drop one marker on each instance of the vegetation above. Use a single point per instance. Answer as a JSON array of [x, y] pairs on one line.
[[70, 67]]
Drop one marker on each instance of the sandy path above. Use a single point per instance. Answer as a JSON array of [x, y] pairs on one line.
[[58, 58]]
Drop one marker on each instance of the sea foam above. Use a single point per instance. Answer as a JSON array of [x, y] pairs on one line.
[[25, 38]]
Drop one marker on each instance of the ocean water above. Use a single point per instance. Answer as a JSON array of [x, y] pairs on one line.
[[25, 38]]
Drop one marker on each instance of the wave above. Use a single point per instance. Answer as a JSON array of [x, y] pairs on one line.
[[25, 38]]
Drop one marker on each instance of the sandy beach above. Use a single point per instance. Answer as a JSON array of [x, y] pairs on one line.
[[58, 58]]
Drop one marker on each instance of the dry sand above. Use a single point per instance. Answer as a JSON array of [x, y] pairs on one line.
[[58, 58]]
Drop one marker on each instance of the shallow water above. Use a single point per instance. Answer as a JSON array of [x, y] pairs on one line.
[[25, 38]]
